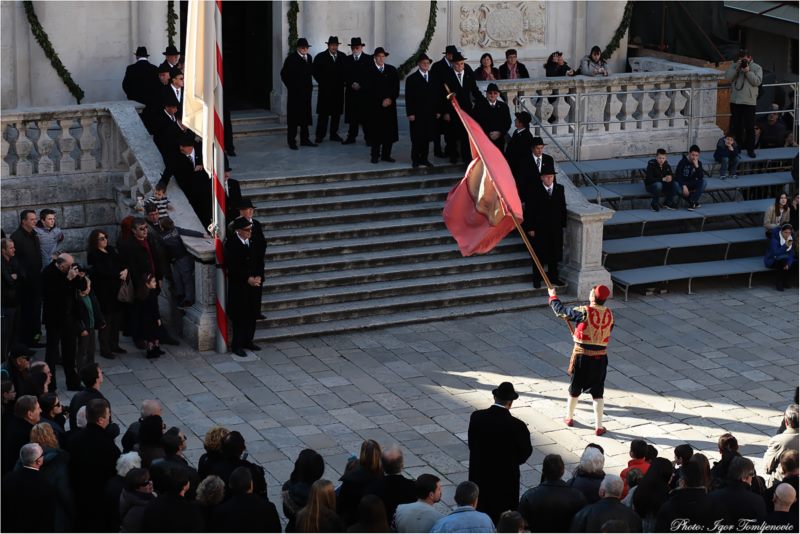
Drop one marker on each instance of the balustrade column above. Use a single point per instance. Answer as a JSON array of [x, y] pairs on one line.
[[45, 145], [87, 144], [24, 148], [66, 144], [5, 170]]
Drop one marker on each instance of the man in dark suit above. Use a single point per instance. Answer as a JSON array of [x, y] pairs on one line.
[[462, 84], [519, 147], [175, 87], [296, 76], [141, 78], [187, 167], [423, 100], [93, 461], [355, 74], [245, 273], [494, 116], [244, 511], [164, 126], [18, 432], [439, 71], [545, 215], [498, 444], [29, 499], [329, 73], [172, 57], [28, 254], [512, 69], [92, 378], [393, 488], [381, 91]]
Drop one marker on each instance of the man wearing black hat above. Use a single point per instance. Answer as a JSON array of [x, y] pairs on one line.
[[296, 76], [494, 116], [175, 87], [186, 165], [172, 57], [439, 70], [422, 109], [382, 89], [498, 444], [356, 72], [520, 145], [246, 209], [462, 84], [245, 268], [329, 73], [545, 214], [165, 126], [141, 78]]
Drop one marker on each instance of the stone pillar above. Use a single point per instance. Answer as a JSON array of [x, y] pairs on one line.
[[280, 31], [602, 20], [405, 28], [199, 323], [151, 29]]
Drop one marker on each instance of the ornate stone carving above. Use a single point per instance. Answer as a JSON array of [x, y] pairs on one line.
[[502, 24]]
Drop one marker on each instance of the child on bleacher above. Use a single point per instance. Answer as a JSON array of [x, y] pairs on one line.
[[727, 155], [158, 197]]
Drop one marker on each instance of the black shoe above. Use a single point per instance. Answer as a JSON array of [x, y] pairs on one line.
[[231, 153], [415, 165], [293, 146], [671, 207], [349, 141], [108, 355], [440, 155], [751, 153], [261, 317], [335, 137], [374, 159], [428, 164], [170, 341], [152, 354], [654, 207], [158, 351], [389, 159], [252, 346], [307, 143], [537, 284], [239, 352], [119, 350], [318, 140]]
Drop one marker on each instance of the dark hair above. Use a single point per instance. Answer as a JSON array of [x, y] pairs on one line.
[[94, 238], [595, 49], [24, 214], [370, 456], [95, 409], [684, 452], [425, 485], [372, 515], [171, 443], [7, 386], [178, 478], [167, 224], [240, 481], [705, 469], [308, 468], [691, 474], [487, 54], [466, 493], [552, 468], [160, 186], [661, 152], [789, 460], [778, 202], [151, 430], [638, 448], [161, 475], [47, 401], [510, 521], [727, 442], [651, 454], [511, 52], [233, 446], [653, 490], [36, 381], [90, 373], [136, 478], [138, 221], [741, 467], [25, 404], [45, 212], [694, 148]]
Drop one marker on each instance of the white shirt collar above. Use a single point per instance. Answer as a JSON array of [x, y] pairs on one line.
[[245, 242], [499, 406]]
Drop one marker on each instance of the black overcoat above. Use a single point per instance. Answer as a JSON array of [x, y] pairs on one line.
[[382, 121], [330, 82], [356, 72], [245, 513], [498, 444], [526, 173], [141, 82], [296, 76], [546, 215], [495, 118], [242, 262], [423, 100]]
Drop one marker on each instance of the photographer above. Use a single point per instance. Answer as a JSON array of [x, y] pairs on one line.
[[745, 76]]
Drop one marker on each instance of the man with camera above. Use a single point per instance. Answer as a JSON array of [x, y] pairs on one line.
[[745, 76]]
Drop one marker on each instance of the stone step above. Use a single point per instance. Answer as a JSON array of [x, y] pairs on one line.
[[398, 318], [257, 129], [394, 200], [376, 258], [358, 244], [293, 281], [352, 215], [394, 304], [253, 116], [256, 179], [414, 286], [351, 230]]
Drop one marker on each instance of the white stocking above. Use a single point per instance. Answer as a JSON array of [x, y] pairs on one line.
[[597, 404], [572, 402]]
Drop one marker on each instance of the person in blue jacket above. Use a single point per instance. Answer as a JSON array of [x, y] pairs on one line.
[[781, 255], [727, 155], [690, 175]]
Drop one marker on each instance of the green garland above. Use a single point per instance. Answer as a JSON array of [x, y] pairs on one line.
[[172, 17], [44, 41], [411, 62], [294, 8], [622, 30]]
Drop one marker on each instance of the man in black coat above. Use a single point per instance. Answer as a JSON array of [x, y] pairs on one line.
[[186, 165], [28, 499], [423, 101], [92, 378], [246, 209], [735, 501], [171, 511], [60, 280], [141, 78], [245, 273], [29, 255], [296, 76], [140, 254], [393, 488], [175, 87], [165, 127], [13, 278], [440, 70], [244, 511], [545, 213], [93, 461], [498, 444], [18, 432], [462, 84], [329, 72], [494, 116], [688, 503], [609, 508], [355, 75], [550, 506], [172, 57], [381, 91], [518, 150]]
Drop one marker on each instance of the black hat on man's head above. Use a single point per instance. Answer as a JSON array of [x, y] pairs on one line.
[[458, 57], [240, 223], [450, 49], [524, 117], [142, 52], [380, 50], [171, 51], [164, 67], [356, 41], [302, 43], [244, 204], [170, 99], [19, 350], [187, 139], [505, 392], [548, 168], [423, 57], [537, 141], [492, 87], [333, 39], [174, 72]]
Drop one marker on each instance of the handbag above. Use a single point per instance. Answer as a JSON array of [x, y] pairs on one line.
[[125, 293]]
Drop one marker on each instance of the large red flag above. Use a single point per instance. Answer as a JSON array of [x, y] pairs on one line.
[[478, 210]]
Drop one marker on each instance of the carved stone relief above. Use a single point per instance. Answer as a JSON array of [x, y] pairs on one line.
[[502, 24]]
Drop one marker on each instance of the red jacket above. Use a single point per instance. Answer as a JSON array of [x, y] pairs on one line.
[[640, 464]]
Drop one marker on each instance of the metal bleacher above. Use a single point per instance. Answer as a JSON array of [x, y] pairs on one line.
[[726, 224]]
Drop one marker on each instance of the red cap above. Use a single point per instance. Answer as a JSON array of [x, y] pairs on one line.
[[601, 292]]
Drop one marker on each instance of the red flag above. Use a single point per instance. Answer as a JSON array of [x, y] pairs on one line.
[[478, 210]]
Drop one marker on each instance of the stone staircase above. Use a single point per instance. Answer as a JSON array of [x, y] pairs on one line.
[[351, 251], [255, 122]]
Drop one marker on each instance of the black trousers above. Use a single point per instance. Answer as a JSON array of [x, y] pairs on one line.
[[30, 314], [457, 142], [743, 123], [108, 337], [322, 125], [61, 341], [783, 277], [228, 126], [383, 150], [291, 133], [352, 129], [547, 250], [420, 141], [589, 376], [244, 329]]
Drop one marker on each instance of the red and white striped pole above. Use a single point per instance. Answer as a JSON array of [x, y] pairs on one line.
[[218, 190]]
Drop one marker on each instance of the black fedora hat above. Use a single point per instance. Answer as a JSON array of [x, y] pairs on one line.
[[141, 52], [548, 168], [380, 50], [356, 41], [187, 139], [171, 51], [333, 39], [492, 87], [524, 117], [170, 99], [450, 49], [458, 57], [537, 141], [240, 223], [302, 43], [505, 392], [174, 72], [244, 204], [423, 57], [164, 67]]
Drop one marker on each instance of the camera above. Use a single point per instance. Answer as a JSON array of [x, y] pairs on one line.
[[743, 64]]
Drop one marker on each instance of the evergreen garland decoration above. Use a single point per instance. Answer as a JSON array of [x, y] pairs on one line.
[[44, 41], [622, 30], [172, 17], [411, 62], [294, 8]]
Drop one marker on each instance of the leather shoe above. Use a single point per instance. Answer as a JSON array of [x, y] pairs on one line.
[[239, 352], [751, 153], [252, 346], [261, 317], [293, 147], [428, 164], [119, 350], [308, 143], [374, 160], [336, 137], [389, 159], [537, 284], [348, 141], [231, 152]]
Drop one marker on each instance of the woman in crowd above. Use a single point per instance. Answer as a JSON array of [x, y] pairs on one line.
[[777, 214], [652, 492], [594, 64], [115, 486], [107, 276], [355, 482], [55, 470], [54, 414], [556, 66], [308, 468], [150, 431], [210, 492], [319, 515], [589, 474], [136, 495], [487, 71], [371, 516], [781, 255], [212, 443]]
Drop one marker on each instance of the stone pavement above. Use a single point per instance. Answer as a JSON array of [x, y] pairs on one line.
[[683, 368]]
